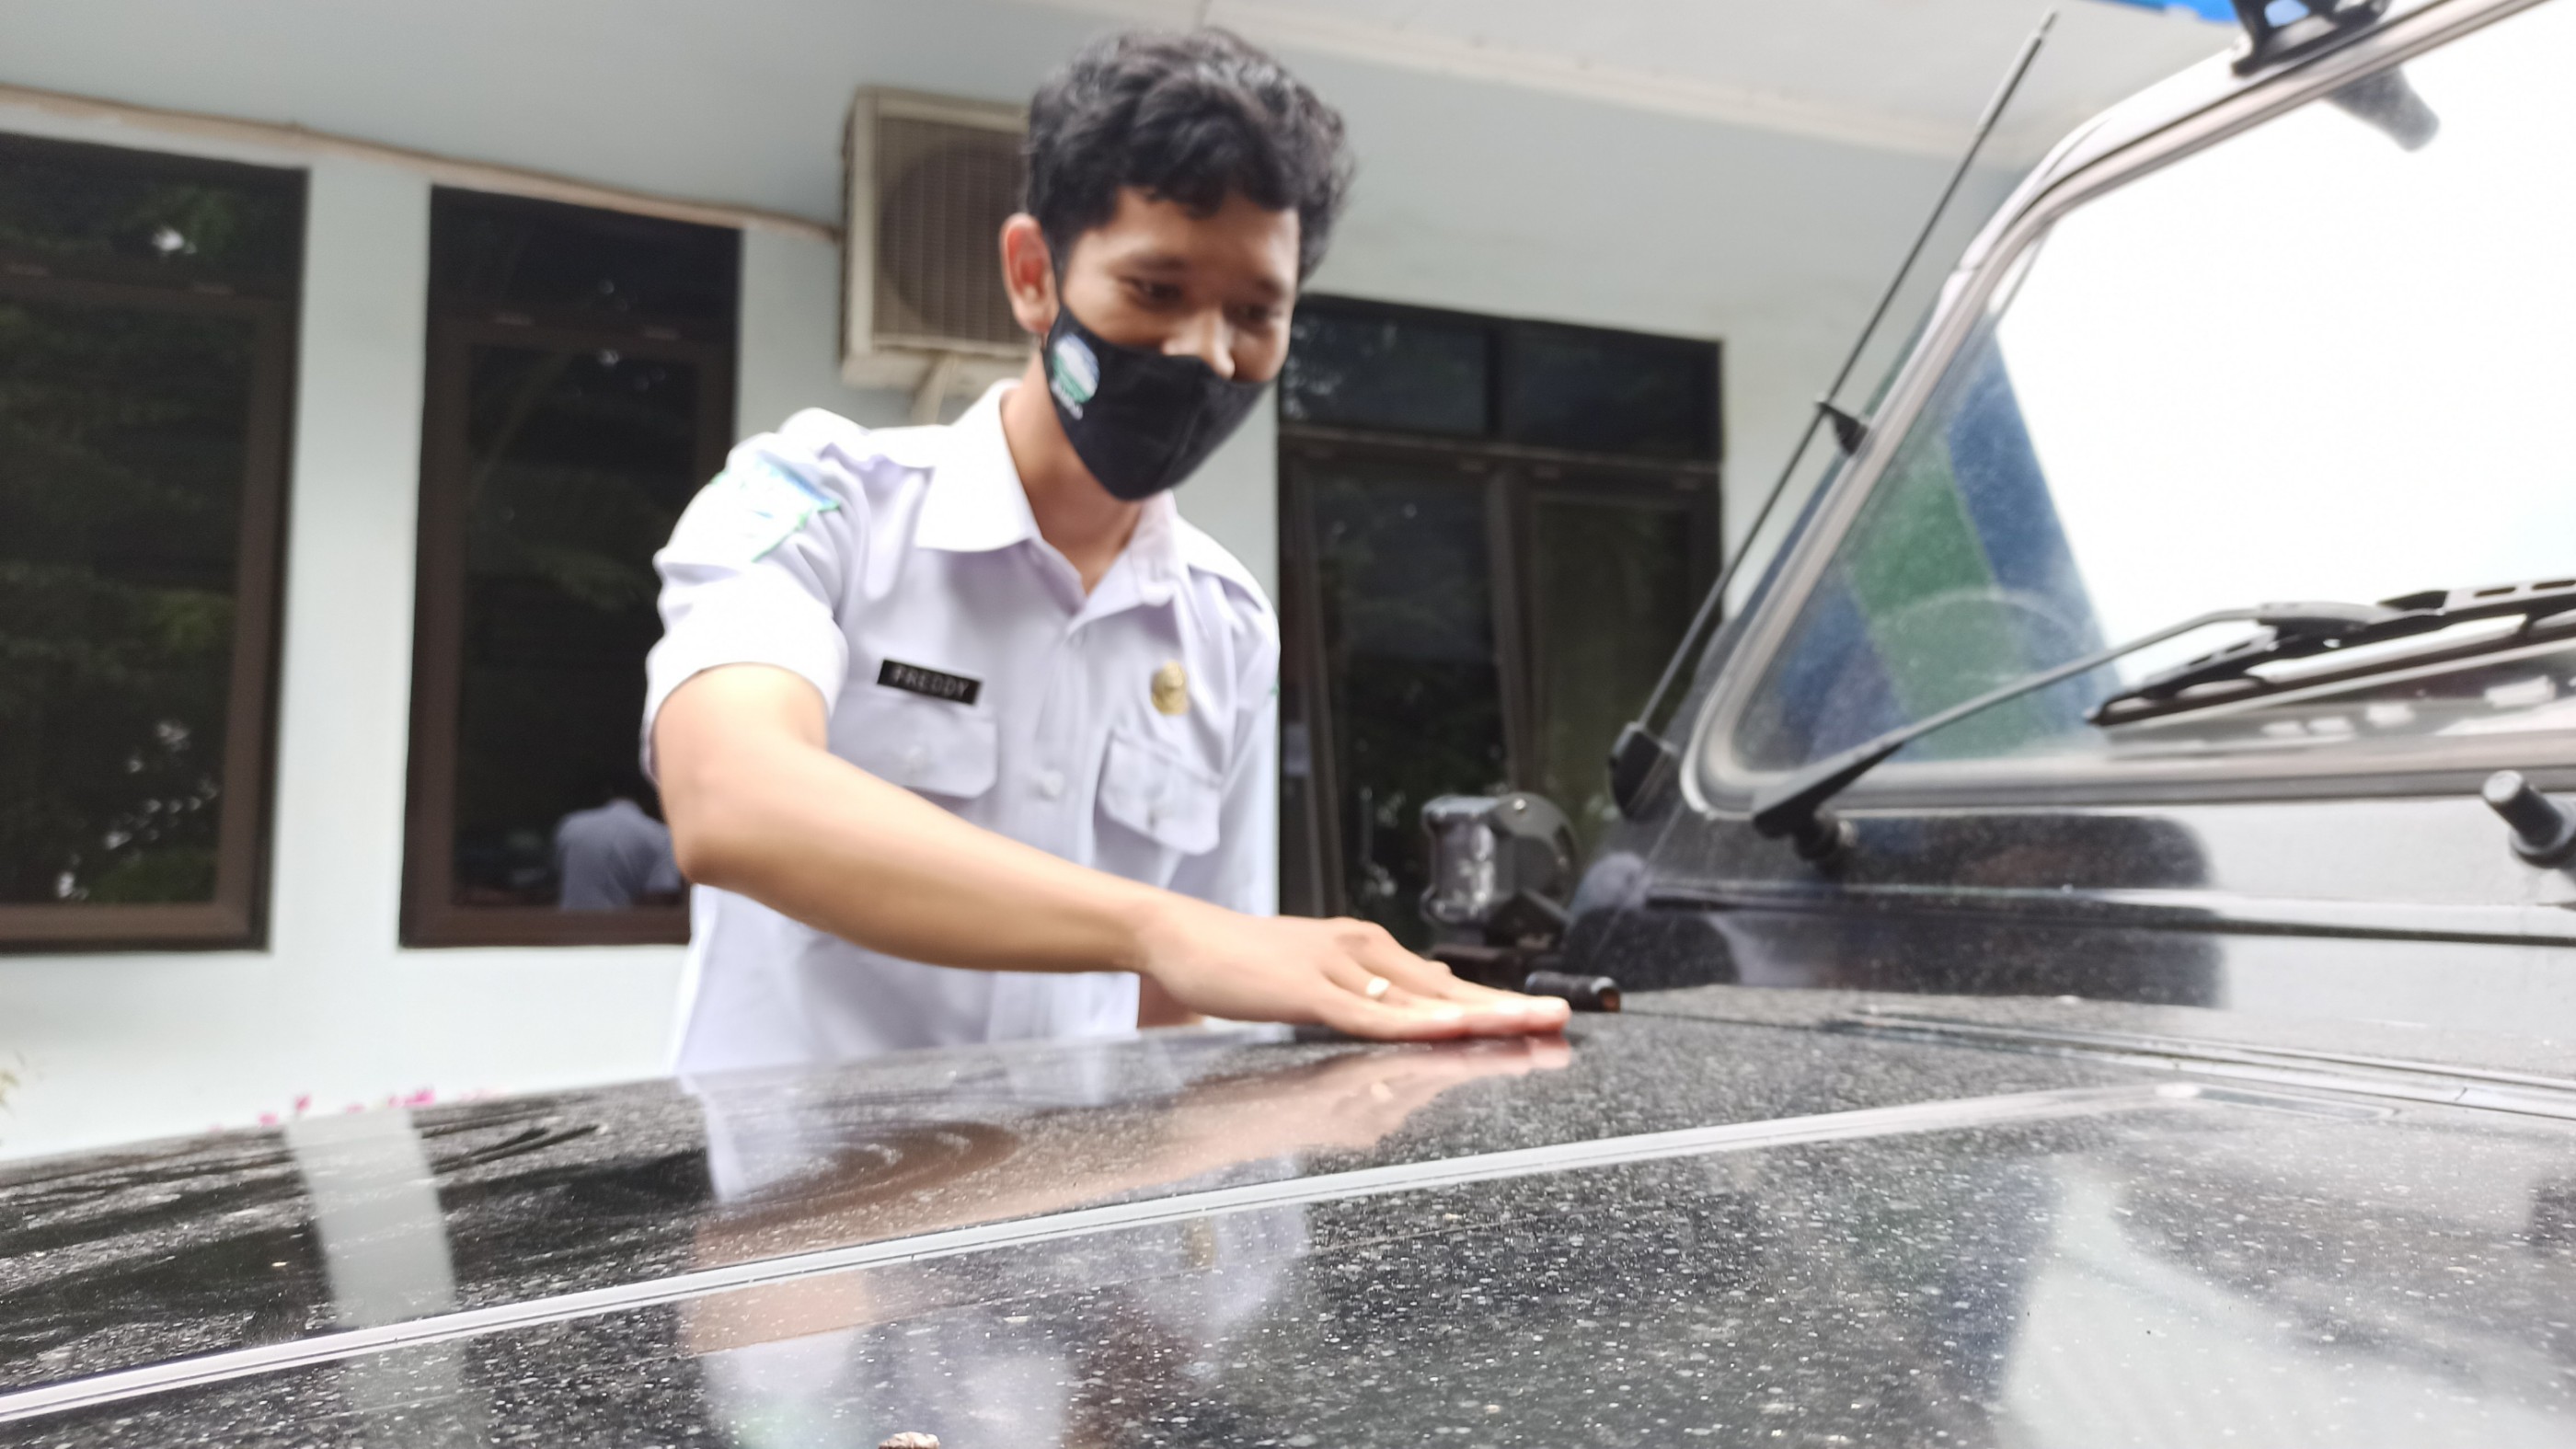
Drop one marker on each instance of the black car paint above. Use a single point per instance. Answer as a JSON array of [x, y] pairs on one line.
[[1942, 1279]]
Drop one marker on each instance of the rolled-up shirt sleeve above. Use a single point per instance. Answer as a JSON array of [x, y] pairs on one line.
[[754, 572]]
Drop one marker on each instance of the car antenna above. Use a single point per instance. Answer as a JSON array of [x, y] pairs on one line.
[[1641, 753]]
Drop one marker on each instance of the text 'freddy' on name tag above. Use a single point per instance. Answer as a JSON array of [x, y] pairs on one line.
[[937, 684]]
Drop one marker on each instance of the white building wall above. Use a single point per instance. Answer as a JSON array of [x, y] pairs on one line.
[[789, 357], [1472, 195]]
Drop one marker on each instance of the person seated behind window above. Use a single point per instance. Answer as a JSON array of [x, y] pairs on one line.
[[613, 855]]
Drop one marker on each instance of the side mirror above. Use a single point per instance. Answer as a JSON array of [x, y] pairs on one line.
[[1502, 872], [1502, 866]]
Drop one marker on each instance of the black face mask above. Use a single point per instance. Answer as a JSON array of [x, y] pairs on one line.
[[1140, 421]]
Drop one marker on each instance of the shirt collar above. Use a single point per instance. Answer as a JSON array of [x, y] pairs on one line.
[[975, 503], [1154, 549]]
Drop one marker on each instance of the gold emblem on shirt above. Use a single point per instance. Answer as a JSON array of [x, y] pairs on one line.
[[1172, 688]]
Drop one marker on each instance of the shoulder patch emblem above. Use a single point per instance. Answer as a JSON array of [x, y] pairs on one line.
[[767, 505]]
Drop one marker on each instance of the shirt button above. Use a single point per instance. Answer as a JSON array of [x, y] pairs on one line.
[[915, 759], [1051, 783]]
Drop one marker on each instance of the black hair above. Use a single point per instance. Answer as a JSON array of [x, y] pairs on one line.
[[1186, 117]]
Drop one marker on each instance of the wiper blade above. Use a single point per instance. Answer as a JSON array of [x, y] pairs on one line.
[[1795, 808], [2225, 676]]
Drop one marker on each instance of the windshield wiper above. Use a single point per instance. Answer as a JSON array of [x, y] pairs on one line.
[[2226, 676], [1795, 809]]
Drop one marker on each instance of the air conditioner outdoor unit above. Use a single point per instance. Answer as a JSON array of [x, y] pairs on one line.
[[922, 307]]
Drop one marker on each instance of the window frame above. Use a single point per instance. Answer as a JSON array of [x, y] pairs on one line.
[[1717, 786], [236, 918], [1502, 339], [1516, 478], [430, 915]]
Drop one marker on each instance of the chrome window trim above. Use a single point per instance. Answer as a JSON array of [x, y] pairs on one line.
[[2091, 161]]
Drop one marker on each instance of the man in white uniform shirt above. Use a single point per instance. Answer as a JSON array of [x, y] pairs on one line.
[[964, 734]]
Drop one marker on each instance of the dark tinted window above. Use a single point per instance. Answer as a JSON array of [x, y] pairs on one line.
[[1610, 590], [1538, 384], [1590, 391], [562, 445], [582, 461], [1377, 369], [558, 262], [1405, 586], [142, 418], [122, 441], [133, 216], [1493, 530]]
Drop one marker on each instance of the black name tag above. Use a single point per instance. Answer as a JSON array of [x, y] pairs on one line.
[[912, 678]]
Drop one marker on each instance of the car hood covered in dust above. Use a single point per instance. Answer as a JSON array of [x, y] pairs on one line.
[[1730, 1216]]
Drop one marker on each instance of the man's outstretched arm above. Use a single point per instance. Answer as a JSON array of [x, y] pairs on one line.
[[758, 806]]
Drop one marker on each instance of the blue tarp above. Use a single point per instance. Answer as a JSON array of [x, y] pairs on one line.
[[2219, 10]]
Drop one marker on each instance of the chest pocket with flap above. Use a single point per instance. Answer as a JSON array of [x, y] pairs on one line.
[[926, 745], [1152, 790]]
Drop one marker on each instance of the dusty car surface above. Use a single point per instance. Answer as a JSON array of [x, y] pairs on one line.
[[1728, 1212], [2174, 1044]]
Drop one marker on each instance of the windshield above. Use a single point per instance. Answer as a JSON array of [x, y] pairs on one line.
[[2307, 362]]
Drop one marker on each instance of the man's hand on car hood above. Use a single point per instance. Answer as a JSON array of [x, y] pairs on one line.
[[1348, 975]]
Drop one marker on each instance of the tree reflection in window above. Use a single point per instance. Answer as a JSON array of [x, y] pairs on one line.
[[144, 304]]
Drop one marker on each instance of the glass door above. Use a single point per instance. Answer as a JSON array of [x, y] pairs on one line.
[[1614, 571], [1463, 624], [1492, 532], [1411, 697]]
